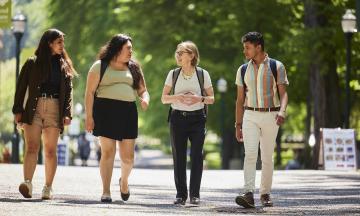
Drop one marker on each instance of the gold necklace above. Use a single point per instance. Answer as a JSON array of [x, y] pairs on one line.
[[187, 77]]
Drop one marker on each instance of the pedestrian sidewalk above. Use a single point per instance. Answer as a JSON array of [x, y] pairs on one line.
[[77, 191]]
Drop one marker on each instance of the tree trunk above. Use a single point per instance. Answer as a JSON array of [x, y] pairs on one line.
[[324, 86], [333, 109], [318, 93]]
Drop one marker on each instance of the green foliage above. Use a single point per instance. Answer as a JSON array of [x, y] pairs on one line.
[[7, 87], [286, 156], [212, 152], [295, 118], [213, 160], [216, 27]]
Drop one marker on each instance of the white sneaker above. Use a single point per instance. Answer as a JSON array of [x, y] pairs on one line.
[[25, 188], [46, 193]]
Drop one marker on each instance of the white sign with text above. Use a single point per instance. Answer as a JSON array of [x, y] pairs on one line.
[[339, 149]]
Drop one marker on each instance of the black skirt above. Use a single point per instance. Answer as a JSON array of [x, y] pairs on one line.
[[115, 119]]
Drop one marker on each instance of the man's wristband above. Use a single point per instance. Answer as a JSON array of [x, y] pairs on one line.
[[202, 99]]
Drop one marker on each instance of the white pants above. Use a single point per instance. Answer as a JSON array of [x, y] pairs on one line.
[[259, 127]]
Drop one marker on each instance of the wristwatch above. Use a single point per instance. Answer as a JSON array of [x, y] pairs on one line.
[[203, 99]]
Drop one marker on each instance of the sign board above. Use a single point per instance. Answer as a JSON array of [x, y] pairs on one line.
[[5, 13], [339, 149]]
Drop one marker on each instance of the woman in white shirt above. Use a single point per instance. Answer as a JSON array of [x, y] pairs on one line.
[[188, 89]]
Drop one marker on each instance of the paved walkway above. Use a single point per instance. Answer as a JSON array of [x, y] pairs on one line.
[[78, 189]]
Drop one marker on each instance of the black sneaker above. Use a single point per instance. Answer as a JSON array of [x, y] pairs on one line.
[[246, 200], [179, 201]]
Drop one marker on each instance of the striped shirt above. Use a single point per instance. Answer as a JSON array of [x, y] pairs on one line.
[[261, 90]]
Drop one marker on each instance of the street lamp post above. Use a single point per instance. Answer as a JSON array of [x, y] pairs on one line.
[[222, 88], [19, 24], [348, 24]]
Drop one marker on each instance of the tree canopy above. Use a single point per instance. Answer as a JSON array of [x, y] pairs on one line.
[[305, 35]]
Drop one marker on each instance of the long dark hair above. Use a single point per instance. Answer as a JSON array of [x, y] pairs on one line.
[[113, 48], [43, 54]]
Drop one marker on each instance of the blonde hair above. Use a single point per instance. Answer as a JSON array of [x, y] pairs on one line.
[[191, 48]]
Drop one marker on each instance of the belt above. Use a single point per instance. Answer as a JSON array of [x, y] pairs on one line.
[[269, 109], [47, 95], [189, 113]]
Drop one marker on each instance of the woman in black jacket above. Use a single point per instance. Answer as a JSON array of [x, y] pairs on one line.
[[42, 106]]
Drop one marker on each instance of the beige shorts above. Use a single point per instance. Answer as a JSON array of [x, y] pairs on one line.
[[47, 113]]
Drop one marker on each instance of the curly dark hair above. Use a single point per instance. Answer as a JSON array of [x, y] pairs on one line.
[[43, 54], [110, 51], [255, 38]]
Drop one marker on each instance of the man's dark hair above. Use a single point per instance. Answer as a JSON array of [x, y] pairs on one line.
[[255, 38]]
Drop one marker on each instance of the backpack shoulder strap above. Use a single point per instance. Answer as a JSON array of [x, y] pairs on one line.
[[201, 79], [273, 68], [243, 71], [175, 76], [200, 76], [103, 66]]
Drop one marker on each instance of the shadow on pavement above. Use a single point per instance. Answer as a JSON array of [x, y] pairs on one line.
[[19, 200], [90, 202]]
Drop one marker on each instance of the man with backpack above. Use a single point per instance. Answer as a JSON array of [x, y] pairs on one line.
[[260, 110]]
